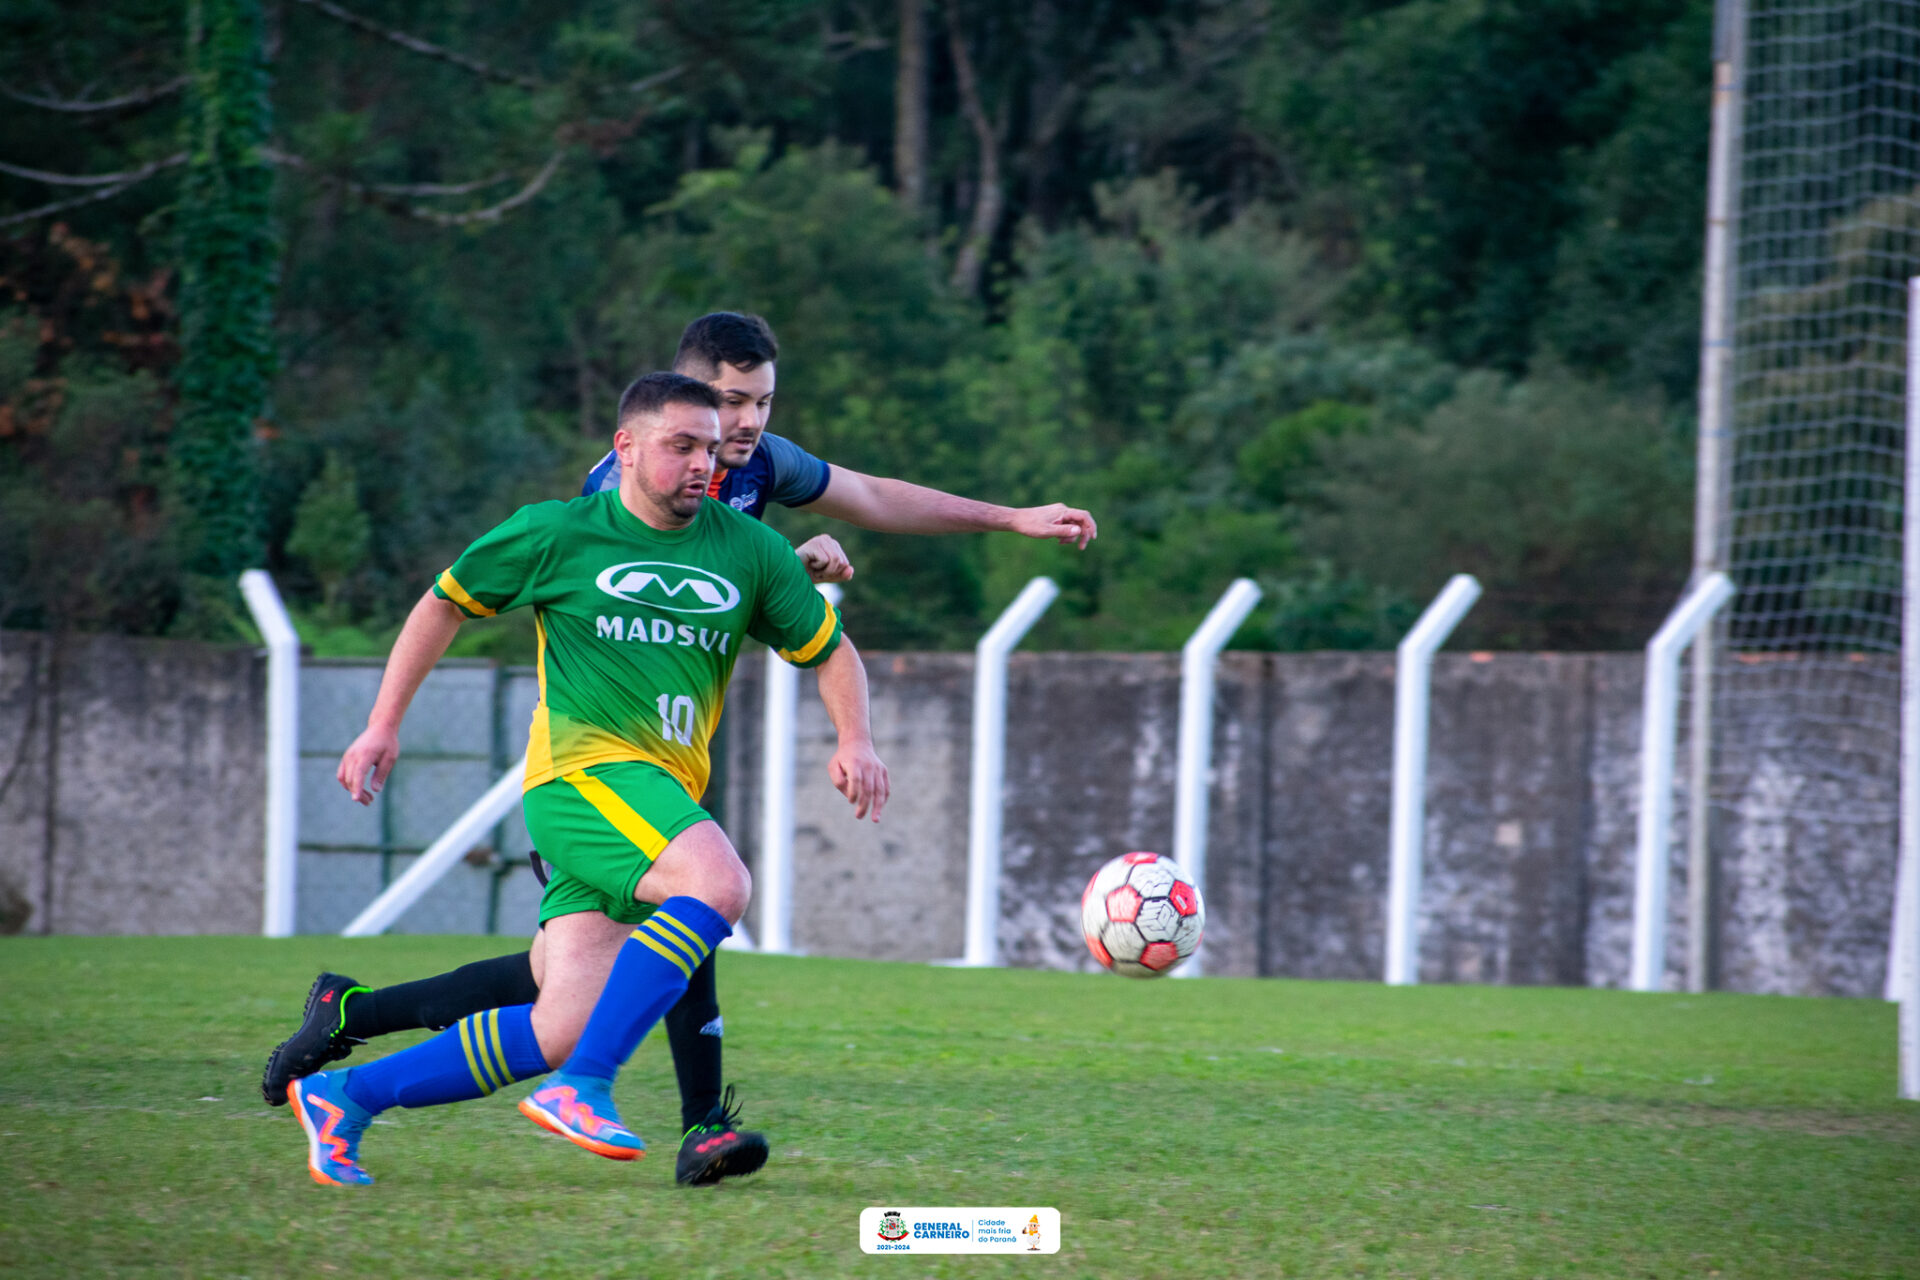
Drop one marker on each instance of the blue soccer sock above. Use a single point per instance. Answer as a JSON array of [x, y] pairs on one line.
[[649, 976], [470, 1059]]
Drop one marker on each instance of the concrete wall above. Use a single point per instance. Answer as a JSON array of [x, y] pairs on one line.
[[1531, 811], [1532, 798], [130, 786]]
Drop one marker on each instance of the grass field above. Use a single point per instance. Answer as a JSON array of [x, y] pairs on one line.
[[1206, 1128]]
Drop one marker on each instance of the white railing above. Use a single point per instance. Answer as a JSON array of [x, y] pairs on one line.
[[1659, 709], [467, 832], [1412, 699], [779, 725], [989, 767], [1198, 659], [283, 751], [1903, 967]]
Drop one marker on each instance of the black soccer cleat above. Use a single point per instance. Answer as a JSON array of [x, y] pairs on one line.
[[321, 1038], [719, 1148]]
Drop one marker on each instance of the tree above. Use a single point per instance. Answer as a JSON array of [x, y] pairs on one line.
[[330, 531], [229, 267], [1568, 501]]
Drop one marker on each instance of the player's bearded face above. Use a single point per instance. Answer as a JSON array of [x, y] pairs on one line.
[[671, 460], [746, 402]]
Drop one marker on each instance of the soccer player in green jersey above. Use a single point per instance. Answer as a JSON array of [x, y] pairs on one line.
[[737, 355], [642, 596]]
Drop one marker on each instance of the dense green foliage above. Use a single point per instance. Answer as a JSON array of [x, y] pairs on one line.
[[1343, 296], [1214, 1128], [229, 262]]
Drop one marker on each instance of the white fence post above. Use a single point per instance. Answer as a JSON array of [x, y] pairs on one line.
[[1198, 658], [779, 724], [467, 831], [1903, 952], [989, 767], [283, 751], [1659, 710], [1412, 696]]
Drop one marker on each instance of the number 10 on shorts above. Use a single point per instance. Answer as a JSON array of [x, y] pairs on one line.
[[676, 718]]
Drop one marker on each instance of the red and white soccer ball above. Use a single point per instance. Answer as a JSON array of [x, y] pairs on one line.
[[1142, 915]]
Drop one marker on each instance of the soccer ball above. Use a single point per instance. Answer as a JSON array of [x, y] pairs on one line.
[[1142, 915]]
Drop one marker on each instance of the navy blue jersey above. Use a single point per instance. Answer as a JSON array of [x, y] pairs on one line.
[[779, 471]]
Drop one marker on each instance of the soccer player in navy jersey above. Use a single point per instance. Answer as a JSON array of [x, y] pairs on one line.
[[736, 355]]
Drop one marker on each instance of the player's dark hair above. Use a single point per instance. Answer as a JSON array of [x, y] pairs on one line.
[[649, 396], [725, 337]]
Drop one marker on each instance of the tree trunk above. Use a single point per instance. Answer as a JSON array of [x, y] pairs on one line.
[[990, 199], [229, 268], [910, 107]]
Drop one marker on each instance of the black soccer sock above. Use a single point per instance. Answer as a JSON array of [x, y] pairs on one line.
[[693, 1033], [439, 1002]]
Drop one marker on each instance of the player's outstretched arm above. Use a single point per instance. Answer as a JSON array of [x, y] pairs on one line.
[[422, 642], [894, 506], [824, 558], [855, 770]]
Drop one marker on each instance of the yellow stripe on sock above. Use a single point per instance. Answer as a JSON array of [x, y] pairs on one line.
[[648, 940], [699, 943], [498, 1078], [493, 1042], [671, 939], [617, 811], [480, 1076]]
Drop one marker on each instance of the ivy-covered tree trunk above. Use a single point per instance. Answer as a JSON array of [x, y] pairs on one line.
[[229, 267]]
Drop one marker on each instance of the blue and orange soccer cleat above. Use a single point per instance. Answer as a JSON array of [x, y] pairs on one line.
[[334, 1123], [580, 1109]]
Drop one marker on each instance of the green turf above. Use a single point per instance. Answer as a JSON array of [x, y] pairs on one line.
[[1205, 1128]]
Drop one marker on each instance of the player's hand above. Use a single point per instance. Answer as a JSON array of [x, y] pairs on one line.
[[1068, 526], [375, 749], [824, 559], [858, 774]]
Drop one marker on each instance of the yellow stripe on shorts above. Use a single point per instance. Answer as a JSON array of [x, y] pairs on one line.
[[647, 939], [618, 812]]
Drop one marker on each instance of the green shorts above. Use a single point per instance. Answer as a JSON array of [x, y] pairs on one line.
[[599, 829]]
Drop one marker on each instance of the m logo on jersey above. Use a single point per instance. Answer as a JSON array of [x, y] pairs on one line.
[[677, 588]]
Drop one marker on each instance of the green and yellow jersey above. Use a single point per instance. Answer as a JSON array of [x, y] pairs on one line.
[[639, 627]]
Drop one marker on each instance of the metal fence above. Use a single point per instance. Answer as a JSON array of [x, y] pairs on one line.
[[466, 726]]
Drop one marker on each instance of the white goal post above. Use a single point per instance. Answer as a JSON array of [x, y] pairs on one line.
[[1903, 977]]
